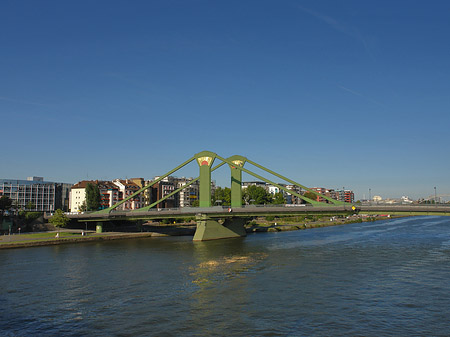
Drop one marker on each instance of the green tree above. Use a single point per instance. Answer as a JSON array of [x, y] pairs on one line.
[[310, 195], [83, 207], [92, 197], [223, 194], [5, 204], [30, 206], [59, 219], [256, 195], [17, 207], [278, 199]]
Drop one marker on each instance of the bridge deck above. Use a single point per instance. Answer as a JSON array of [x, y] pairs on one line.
[[252, 210]]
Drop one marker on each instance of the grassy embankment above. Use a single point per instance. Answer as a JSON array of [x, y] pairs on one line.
[[290, 223], [49, 238]]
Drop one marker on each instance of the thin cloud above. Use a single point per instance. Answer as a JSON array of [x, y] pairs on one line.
[[350, 31], [6, 99], [356, 93]]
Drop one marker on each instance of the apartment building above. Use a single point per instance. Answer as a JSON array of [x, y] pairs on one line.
[[110, 194], [126, 189], [189, 194], [293, 199], [322, 191], [341, 195]]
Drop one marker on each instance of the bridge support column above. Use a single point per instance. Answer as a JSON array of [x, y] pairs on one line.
[[99, 227], [211, 229], [236, 180], [205, 160]]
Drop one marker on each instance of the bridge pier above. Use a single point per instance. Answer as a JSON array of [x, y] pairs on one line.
[[210, 229], [99, 227]]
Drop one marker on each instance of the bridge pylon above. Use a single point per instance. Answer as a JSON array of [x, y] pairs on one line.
[[205, 160], [236, 180]]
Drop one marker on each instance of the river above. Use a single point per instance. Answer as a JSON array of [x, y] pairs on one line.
[[381, 278]]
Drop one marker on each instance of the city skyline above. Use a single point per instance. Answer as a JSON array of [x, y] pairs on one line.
[[329, 94]]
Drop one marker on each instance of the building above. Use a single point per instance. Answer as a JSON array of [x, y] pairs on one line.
[[346, 195], [188, 195], [340, 195], [293, 199], [162, 189], [35, 194], [126, 189], [109, 194], [78, 196], [377, 198], [246, 184], [323, 191]]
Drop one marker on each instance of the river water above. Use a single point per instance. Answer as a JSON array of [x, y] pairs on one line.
[[373, 279]]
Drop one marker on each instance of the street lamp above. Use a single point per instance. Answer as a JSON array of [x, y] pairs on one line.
[[435, 196]]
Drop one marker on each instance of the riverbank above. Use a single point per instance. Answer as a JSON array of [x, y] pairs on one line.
[[301, 223], [153, 230], [49, 238]]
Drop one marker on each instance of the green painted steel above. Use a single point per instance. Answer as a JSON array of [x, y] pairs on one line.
[[333, 201], [205, 160], [236, 180], [312, 202], [109, 209], [99, 227], [146, 208], [210, 229]]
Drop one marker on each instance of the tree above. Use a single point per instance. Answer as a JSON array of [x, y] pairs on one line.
[[30, 206], [59, 219], [16, 205], [223, 194], [83, 206], [310, 195], [92, 197], [5, 204], [278, 199], [256, 195]]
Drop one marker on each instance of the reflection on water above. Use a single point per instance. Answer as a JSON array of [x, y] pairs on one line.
[[216, 270], [382, 278]]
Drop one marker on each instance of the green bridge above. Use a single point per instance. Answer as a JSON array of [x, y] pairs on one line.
[[216, 222]]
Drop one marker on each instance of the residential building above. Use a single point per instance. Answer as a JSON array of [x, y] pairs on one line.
[[78, 196], [321, 190], [189, 194], [293, 199], [341, 195], [127, 188], [109, 194], [162, 189], [346, 195]]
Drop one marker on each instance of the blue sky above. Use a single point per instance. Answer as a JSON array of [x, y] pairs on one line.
[[352, 94]]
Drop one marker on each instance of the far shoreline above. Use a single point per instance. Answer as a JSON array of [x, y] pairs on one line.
[[25, 240]]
